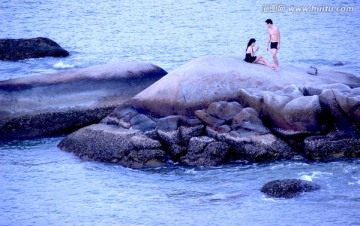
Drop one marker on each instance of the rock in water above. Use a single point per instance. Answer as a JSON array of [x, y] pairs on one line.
[[20, 49], [288, 188], [219, 109], [57, 103], [332, 146], [112, 144]]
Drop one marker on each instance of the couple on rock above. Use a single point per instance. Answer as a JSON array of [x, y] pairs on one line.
[[273, 40]]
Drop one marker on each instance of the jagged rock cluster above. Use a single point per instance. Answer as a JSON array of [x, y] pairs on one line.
[[224, 132], [319, 122]]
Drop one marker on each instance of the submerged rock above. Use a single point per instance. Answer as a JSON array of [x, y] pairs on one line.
[[57, 103], [20, 49], [288, 188]]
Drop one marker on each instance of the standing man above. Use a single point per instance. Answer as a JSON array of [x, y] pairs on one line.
[[274, 41]]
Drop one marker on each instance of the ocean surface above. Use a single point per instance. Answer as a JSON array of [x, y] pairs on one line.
[[41, 185]]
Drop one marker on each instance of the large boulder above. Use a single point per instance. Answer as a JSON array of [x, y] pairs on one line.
[[288, 111], [20, 49], [205, 80], [56, 103], [349, 102], [337, 119], [289, 188]]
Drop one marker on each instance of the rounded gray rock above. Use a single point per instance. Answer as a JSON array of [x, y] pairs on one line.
[[288, 188], [20, 49]]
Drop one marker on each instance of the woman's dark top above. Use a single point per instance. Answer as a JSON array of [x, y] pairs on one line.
[[249, 58]]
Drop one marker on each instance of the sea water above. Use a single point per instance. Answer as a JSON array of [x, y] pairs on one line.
[[170, 33], [42, 185]]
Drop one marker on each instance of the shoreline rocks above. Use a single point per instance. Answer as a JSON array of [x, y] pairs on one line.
[[216, 110], [58, 103], [108, 143], [332, 146], [20, 49]]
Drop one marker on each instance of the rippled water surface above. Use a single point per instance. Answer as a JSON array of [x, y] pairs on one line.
[[169, 33], [41, 185]]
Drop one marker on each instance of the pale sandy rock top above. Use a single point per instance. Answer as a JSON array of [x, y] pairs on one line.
[[212, 78]]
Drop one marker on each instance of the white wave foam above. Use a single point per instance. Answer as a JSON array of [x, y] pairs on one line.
[[315, 174], [218, 197], [61, 65], [306, 177], [190, 171]]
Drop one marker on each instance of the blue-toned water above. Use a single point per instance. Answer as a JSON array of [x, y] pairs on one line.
[[169, 33], [41, 185], [44, 186]]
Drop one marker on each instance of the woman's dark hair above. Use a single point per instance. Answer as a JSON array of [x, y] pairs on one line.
[[269, 21], [251, 41]]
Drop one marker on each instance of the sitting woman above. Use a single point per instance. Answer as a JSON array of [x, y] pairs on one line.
[[250, 55]]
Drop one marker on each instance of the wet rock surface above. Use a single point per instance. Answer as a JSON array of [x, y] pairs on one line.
[[289, 188], [332, 146], [108, 143], [20, 49]]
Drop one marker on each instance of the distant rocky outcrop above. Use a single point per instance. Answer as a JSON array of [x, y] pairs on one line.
[[289, 188], [20, 49], [63, 102], [216, 110]]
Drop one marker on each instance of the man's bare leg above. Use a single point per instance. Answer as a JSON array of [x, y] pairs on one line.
[[276, 62]]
